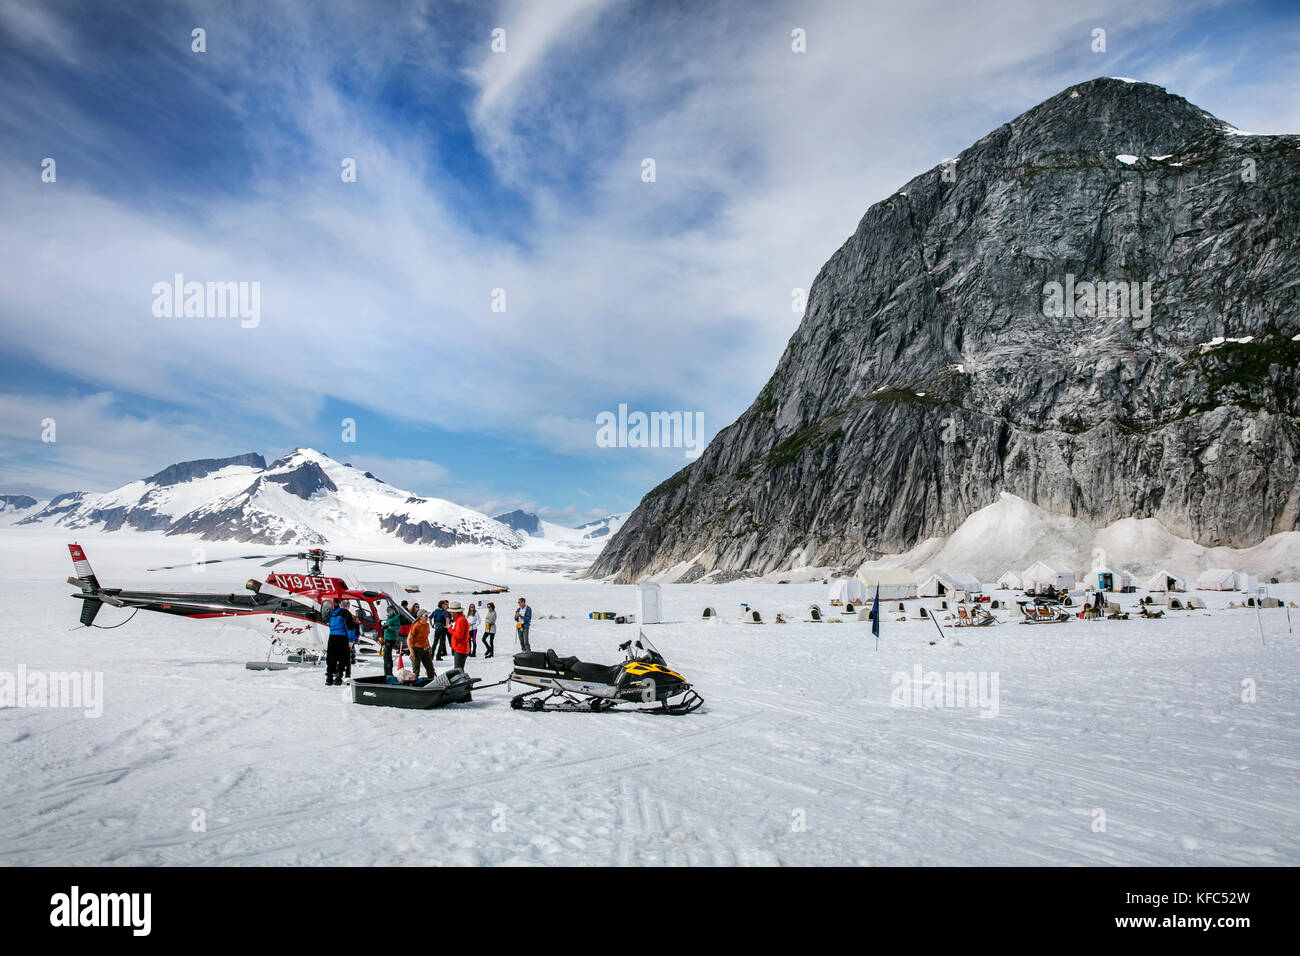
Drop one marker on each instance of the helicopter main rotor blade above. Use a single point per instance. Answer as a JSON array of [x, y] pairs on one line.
[[280, 560], [191, 564], [414, 567]]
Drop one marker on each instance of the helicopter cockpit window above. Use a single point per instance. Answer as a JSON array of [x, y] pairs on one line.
[[367, 615]]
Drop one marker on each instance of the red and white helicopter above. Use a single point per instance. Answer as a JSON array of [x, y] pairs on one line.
[[290, 609]]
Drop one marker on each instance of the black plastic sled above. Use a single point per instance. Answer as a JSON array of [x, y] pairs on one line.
[[450, 687]]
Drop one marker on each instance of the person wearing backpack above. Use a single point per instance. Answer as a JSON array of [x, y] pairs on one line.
[[336, 653], [392, 633], [440, 621]]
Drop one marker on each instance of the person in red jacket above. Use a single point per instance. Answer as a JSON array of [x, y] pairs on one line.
[[459, 634]]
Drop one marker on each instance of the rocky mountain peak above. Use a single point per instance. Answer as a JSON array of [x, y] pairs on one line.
[[519, 520], [189, 470], [17, 502], [1093, 308], [305, 479], [1126, 116]]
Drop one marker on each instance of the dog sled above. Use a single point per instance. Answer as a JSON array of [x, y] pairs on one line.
[[975, 617], [1043, 611]]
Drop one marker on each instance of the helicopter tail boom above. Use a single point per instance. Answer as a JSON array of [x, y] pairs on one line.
[[91, 600], [85, 574]]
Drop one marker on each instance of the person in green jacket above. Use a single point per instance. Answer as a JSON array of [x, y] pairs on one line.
[[392, 625]]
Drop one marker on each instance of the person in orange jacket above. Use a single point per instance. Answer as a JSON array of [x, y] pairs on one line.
[[459, 634], [417, 642]]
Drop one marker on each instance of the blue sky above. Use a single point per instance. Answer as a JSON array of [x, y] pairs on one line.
[[478, 170]]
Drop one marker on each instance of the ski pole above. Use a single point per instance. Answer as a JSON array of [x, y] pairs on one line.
[[936, 625]]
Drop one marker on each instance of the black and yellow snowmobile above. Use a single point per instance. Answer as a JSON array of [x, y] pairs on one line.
[[644, 678]]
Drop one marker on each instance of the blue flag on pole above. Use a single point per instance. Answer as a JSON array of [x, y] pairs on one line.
[[875, 615]]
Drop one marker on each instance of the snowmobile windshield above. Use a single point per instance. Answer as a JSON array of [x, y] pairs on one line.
[[646, 651]]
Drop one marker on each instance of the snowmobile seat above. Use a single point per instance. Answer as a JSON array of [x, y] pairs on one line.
[[568, 666], [531, 659], [595, 673], [557, 663]]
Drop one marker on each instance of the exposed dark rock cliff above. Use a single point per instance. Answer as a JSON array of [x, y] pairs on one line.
[[937, 365]]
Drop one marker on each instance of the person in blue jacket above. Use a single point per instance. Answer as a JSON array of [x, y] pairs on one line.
[[336, 654], [523, 620], [441, 620]]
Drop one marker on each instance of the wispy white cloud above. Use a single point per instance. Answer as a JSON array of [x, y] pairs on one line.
[[409, 474], [39, 25], [377, 295], [96, 445], [531, 34]]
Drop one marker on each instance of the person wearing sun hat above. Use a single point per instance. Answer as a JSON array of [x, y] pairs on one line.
[[459, 634]]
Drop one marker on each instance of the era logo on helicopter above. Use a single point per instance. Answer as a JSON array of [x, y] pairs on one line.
[[282, 628]]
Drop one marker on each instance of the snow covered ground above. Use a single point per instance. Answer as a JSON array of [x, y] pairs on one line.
[[1113, 742]]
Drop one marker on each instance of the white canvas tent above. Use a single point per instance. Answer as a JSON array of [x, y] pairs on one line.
[[1246, 581], [848, 591], [1010, 581], [896, 584], [1110, 579], [1040, 574], [1166, 580], [1217, 579], [946, 582]]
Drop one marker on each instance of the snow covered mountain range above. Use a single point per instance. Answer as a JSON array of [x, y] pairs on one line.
[[304, 498], [11, 505], [530, 524]]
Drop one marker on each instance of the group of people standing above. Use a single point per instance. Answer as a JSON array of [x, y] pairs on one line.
[[428, 636], [449, 624], [425, 636]]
